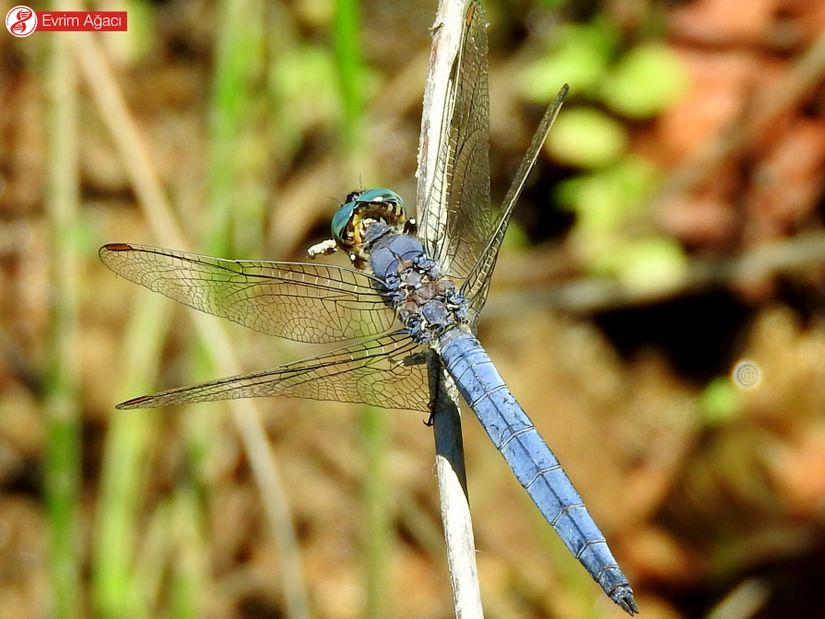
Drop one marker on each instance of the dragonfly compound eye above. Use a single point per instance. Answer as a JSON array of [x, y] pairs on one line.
[[342, 228]]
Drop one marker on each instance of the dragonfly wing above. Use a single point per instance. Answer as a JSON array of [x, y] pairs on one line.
[[478, 281], [385, 371], [312, 303], [456, 219]]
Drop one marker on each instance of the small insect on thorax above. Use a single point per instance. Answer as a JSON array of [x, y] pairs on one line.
[[354, 218], [362, 209]]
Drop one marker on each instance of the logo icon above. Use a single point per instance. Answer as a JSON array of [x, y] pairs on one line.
[[747, 374], [21, 21]]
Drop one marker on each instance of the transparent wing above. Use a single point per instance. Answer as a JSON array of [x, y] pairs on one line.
[[477, 284], [384, 371], [456, 220], [304, 302]]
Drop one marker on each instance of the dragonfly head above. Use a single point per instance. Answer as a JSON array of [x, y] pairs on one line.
[[359, 211]]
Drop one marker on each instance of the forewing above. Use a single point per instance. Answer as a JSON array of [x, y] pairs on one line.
[[477, 284], [384, 372], [304, 302], [456, 220]]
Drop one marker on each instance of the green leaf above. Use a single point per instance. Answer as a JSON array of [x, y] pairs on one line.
[[515, 237], [587, 138], [646, 81], [607, 199], [302, 71], [580, 56], [646, 264], [719, 402]]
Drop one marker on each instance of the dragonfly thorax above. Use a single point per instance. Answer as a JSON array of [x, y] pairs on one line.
[[359, 212], [425, 301]]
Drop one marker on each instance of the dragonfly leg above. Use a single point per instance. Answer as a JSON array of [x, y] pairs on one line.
[[434, 367], [411, 227]]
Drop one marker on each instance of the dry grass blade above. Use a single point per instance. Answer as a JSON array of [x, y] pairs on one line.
[[134, 154], [62, 469]]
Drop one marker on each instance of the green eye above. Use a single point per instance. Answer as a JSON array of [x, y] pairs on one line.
[[380, 194], [341, 220]]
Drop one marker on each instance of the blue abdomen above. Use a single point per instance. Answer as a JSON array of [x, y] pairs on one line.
[[529, 457]]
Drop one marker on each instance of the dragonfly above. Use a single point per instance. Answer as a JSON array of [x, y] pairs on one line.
[[413, 292]]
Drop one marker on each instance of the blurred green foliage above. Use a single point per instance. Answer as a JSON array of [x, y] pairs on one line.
[[585, 137], [613, 234], [720, 402], [648, 263], [610, 197], [580, 55], [646, 81], [296, 71]]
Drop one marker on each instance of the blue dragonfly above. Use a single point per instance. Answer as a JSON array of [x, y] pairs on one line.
[[414, 292]]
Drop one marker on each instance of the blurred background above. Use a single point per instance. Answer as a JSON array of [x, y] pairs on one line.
[[656, 309]]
